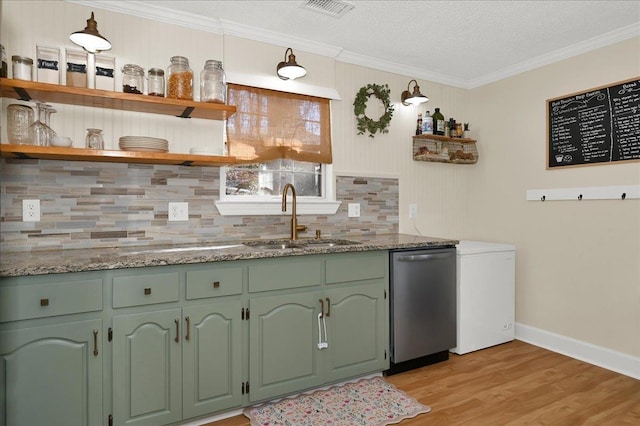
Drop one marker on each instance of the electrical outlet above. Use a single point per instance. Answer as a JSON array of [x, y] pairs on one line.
[[354, 209], [178, 211], [31, 210], [413, 211]]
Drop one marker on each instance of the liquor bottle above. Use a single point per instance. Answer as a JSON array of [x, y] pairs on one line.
[[419, 124], [427, 124], [438, 122]]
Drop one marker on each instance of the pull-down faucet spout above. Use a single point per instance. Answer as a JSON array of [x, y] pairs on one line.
[[295, 228]]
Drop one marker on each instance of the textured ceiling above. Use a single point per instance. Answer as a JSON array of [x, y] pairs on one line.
[[464, 43]]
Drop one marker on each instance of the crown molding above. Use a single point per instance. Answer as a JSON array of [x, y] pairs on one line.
[[594, 43]]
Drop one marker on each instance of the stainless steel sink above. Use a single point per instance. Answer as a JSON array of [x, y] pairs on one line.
[[273, 244], [183, 249], [329, 243]]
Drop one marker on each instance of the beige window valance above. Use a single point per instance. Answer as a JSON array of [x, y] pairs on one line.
[[269, 125]]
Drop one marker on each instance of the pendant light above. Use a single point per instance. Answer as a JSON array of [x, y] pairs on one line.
[[289, 68], [415, 98], [89, 38]]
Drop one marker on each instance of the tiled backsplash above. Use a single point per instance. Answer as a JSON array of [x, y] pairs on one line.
[[87, 205]]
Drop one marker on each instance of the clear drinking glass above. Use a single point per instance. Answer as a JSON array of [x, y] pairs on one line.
[[94, 139], [19, 118], [48, 110], [38, 131]]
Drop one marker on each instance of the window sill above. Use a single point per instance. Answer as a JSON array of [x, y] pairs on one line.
[[274, 207]]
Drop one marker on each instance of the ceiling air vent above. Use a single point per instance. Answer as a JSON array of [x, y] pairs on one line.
[[335, 8]]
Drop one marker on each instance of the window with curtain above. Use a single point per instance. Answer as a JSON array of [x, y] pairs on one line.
[[278, 138]]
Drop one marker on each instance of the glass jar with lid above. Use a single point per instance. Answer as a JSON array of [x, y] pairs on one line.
[[213, 83], [132, 79], [155, 82], [179, 79], [22, 67]]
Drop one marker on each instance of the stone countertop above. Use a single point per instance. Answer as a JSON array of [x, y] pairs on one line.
[[62, 261]]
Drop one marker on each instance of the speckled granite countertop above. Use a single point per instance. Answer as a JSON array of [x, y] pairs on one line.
[[61, 261]]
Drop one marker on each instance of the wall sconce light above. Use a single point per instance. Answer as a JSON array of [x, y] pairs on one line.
[[415, 98], [89, 38], [289, 68]]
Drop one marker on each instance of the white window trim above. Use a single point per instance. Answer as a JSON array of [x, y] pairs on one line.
[[240, 205]]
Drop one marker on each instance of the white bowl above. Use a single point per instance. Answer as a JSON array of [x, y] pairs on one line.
[[61, 141]]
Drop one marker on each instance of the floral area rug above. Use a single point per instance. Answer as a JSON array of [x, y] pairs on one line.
[[368, 402]]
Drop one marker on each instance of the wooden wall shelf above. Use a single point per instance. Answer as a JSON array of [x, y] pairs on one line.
[[442, 149], [25, 152], [55, 93]]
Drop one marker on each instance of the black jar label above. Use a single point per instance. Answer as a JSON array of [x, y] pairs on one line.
[[104, 72], [47, 64], [76, 68]]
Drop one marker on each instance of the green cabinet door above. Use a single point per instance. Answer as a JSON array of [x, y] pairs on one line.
[[357, 330], [211, 358], [283, 337], [51, 375], [147, 368]]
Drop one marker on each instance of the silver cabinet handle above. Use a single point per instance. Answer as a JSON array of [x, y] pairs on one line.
[[421, 257]]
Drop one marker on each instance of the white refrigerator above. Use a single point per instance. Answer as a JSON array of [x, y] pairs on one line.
[[485, 295]]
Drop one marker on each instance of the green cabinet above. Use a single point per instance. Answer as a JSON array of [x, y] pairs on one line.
[[285, 328], [51, 350], [180, 362]]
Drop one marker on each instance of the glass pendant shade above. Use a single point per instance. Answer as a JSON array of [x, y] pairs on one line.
[[289, 68], [90, 39]]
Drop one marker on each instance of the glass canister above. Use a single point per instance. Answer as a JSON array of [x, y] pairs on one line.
[[22, 67], [132, 79], [155, 82], [179, 79], [19, 118], [94, 139], [213, 83]]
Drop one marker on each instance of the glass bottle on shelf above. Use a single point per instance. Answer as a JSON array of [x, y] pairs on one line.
[[132, 79], [179, 79], [438, 122], [38, 130], [155, 82], [19, 118], [213, 83]]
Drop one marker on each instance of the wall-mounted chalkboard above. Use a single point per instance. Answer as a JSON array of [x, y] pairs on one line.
[[599, 126]]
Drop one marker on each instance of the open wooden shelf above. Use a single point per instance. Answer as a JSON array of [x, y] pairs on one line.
[[80, 154], [442, 149], [55, 93]]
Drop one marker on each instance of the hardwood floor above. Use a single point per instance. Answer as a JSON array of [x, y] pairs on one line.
[[515, 384]]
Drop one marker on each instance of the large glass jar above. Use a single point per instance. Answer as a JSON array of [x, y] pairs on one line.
[[213, 83], [179, 79], [19, 118], [132, 79]]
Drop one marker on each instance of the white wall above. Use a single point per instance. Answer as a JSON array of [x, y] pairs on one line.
[[578, 263]]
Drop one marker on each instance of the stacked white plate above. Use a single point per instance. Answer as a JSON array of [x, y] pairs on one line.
[[143, 143]]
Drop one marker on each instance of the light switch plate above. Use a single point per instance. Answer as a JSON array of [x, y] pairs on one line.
[[178, 211], [31, 210], [354, 209]]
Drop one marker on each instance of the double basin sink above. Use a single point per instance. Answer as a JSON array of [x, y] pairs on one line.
[[297, 244]]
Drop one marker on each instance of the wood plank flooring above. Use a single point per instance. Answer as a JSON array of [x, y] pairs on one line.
[[515, 384]]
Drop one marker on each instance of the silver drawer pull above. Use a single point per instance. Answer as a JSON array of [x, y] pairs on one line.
[[216, 284], [147, 291], [44, 302]]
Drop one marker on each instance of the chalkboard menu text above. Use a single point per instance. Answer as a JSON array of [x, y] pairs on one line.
[[598, 126]]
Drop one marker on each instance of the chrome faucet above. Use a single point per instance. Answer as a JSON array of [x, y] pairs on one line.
[[295, 228]]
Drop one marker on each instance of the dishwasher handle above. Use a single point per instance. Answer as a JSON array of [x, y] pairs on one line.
[[423, 257]]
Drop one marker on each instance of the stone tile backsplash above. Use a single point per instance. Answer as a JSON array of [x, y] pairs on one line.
[[89, 205]]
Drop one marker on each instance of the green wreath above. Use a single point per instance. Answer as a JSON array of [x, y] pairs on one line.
[[360, 104]]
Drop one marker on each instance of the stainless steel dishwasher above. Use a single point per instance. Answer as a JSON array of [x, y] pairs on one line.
[[422, 306]]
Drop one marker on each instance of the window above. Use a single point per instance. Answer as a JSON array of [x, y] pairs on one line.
[[278, 138]]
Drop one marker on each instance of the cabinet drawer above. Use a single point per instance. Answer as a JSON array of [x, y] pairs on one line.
[[356, 266], [145, 289], [281, 273], [45, 300], [214, 282]]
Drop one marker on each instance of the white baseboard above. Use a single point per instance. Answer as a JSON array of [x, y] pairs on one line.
[[587, 352]]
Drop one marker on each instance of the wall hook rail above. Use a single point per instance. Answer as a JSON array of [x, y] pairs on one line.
[[618, 192]]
